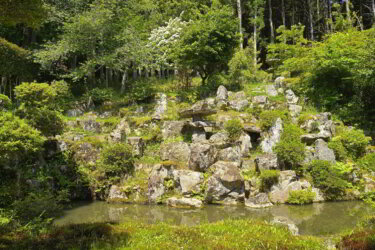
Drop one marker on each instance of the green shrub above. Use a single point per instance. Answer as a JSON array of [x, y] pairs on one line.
[[234, 128], [35, 95], [367, 162], [64, 96], [351, 143], [99, 96], [290, 150], [269, 117], [5, 102], [328, 178], [300, 197], [268, 178], [49, 122], [116, 159]]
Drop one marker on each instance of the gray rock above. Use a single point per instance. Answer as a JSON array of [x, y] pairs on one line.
[[280, 82], [231, 154], [161, 107], [311, 138], [226, 184], [175, 151], [188, 181], [239, 105], [286, 222], [322, 124], [245, 144], [172, 129], [287, 182], [91, 125], [273, 137], [198, 110], [220, 140], [202, 156], [156, 180], [137, 145], [291, 98], [87, 153], [260, 200], [295, 110], [266, 162], [116, 194], [260, 100], [322, 152], [369, 183], [198, 135], [271, 90], [106, 114], [73, 113], [121, 131], [222, 97], [319, 197], [251, 128], [184, 202]]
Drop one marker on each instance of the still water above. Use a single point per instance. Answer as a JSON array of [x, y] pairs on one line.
[[315, 219]]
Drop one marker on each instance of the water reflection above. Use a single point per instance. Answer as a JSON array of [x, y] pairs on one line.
[[315, 219]]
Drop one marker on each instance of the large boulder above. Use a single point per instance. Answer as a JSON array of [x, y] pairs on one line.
[[121, 131], [226, 184], [116, 194], [319, 127], [202, 156], [220, 140], [295, 110], [260, 100], [260, 200], [156, 179], [91, 125], [188, 181], [239, 101], [198, 110], [323, 152], [175, 151], [184, 202], [266, 162], [87, 153], [311, 138], [161, 107], [245, 144], [137, 144], [280, 82], [231, 154], [222, 97], [273, 137], [271, 90], [291, 98], [172, 129]]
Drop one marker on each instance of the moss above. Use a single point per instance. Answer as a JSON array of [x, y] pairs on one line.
[[269, 117], [175, 164], [268, 178], [139, 121]]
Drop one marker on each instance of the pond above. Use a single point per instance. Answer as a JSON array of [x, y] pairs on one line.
[[316, 219]]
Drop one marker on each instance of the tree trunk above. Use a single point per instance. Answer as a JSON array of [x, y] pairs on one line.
[[239, 12], [135, 74], [255, 41], [311, 21], [271, 21], [373, 10], [283, 12], [347, 6], [123, 82]]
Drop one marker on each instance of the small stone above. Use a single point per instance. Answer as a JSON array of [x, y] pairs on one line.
[[291, 97], [271, 90], [184, 202]]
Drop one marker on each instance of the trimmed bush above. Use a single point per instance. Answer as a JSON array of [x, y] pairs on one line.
[[300, 197], [328, 179], [116, 159], [268, 178], [290, 150], [367, 162], [234, 128], [35, 95]]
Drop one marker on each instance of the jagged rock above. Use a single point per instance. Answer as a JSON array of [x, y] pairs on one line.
[[309, 154], [260, 100], [280, 82], [121, 131], [184, 202], [319, 197], [287, 182], [286, 222], [291, 98], [220, 140], [198, 110], [245, 144], [73, 113], [322, 152], [311, 138], [369, 184], [322, 124], [202, 156], [273, 136], [198, 135], [156, 179], [239, 101], [222, 97], [137, 145], [266, 162], [260, 200], [251, 128], [226, 184], [172, 129], [222, 119], [161, 107], [116, 194], [91, 125], [86, 153], [295, 110], [271, 90], [188, 181], [175, 151], [231, 154]]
